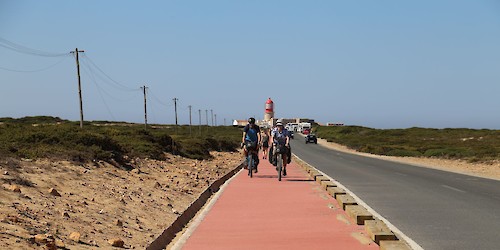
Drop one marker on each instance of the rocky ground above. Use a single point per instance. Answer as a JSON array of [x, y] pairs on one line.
[[46, 204]]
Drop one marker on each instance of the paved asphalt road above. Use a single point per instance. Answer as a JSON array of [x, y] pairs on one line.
[[437, 209]]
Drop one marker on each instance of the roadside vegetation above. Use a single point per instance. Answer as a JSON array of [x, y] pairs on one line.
[[467, 144], [114, 142]]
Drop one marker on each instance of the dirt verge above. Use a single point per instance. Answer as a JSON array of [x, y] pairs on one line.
[[62, 205]]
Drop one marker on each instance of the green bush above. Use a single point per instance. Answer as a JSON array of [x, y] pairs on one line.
[[468, 144], [55, 138]]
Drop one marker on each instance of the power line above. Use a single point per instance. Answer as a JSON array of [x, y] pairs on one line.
[[93, 75], [37, 70], [107, 77], [159, 101], [25, 50], [99, 90]]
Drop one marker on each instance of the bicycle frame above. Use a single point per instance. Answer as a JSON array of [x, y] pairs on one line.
[[279, 159], [279, 165], [251, 161]]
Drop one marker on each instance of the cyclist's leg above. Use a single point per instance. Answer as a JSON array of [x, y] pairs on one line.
[[255, 157], [284, 163], [245, 154]]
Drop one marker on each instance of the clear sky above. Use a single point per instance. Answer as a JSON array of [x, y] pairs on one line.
[[380, 64]]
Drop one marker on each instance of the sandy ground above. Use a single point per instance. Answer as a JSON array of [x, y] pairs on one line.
[[491, 171], [97, 205]]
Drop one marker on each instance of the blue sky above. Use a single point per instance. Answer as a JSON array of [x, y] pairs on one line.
[[381, 64]]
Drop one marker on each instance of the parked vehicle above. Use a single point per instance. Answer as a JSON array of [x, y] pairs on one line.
[[291, 134], [311, 138], [306, 131], [303, 126]]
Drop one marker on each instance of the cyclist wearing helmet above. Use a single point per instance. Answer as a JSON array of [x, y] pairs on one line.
[[281, 136], [251, 136]]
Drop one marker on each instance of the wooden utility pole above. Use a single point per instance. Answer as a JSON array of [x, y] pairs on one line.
[[212, 115], [79, 84], [190, 120], [199, 119], [206, 116], [145, 108], [175, 108]]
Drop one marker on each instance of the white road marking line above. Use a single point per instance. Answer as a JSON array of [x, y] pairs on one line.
[[452, 188]]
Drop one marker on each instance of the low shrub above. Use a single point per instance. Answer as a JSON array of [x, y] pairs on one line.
[[60, 139]]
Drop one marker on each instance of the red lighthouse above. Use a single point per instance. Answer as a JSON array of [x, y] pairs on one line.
[[269, 112]]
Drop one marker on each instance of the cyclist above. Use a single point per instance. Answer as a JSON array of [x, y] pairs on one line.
[[281, 136], [251, 136]]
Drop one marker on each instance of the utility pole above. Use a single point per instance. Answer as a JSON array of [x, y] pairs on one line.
[[224, 122], [79, 84], [145, 109], [206, 116], [175, 107], [199, 119], [215, 117], [190, 120], [212, 114]]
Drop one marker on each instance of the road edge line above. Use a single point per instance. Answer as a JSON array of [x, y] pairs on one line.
[[393, 228]]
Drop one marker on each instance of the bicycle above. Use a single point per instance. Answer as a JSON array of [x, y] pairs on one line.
[[279, 151], [251, 157]]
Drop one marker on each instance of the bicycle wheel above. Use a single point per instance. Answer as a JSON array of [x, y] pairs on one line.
[[250, 165], [280, 166]]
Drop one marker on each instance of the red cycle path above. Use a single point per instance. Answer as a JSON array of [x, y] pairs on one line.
[[263, 213]]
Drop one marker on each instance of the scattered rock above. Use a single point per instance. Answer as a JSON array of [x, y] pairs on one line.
[[14, 188], [54, 192], [41, 238], [6, 172], [65, 214], [116, 242], [136, 171], [60, 244], [75, 236], [119, 223], [51, 245]]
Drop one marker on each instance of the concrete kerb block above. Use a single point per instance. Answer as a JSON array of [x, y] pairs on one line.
[[315, 174], [322, 178], [358, 213], [393, 245], [327, 184], [306, 168], [379, 231], [344, 200], [334, 191]]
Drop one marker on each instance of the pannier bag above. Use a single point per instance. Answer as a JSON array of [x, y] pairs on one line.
[[280, 149], [251, 144]]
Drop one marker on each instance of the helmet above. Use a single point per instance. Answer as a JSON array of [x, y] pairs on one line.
[[251, 120], [279, 124]]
